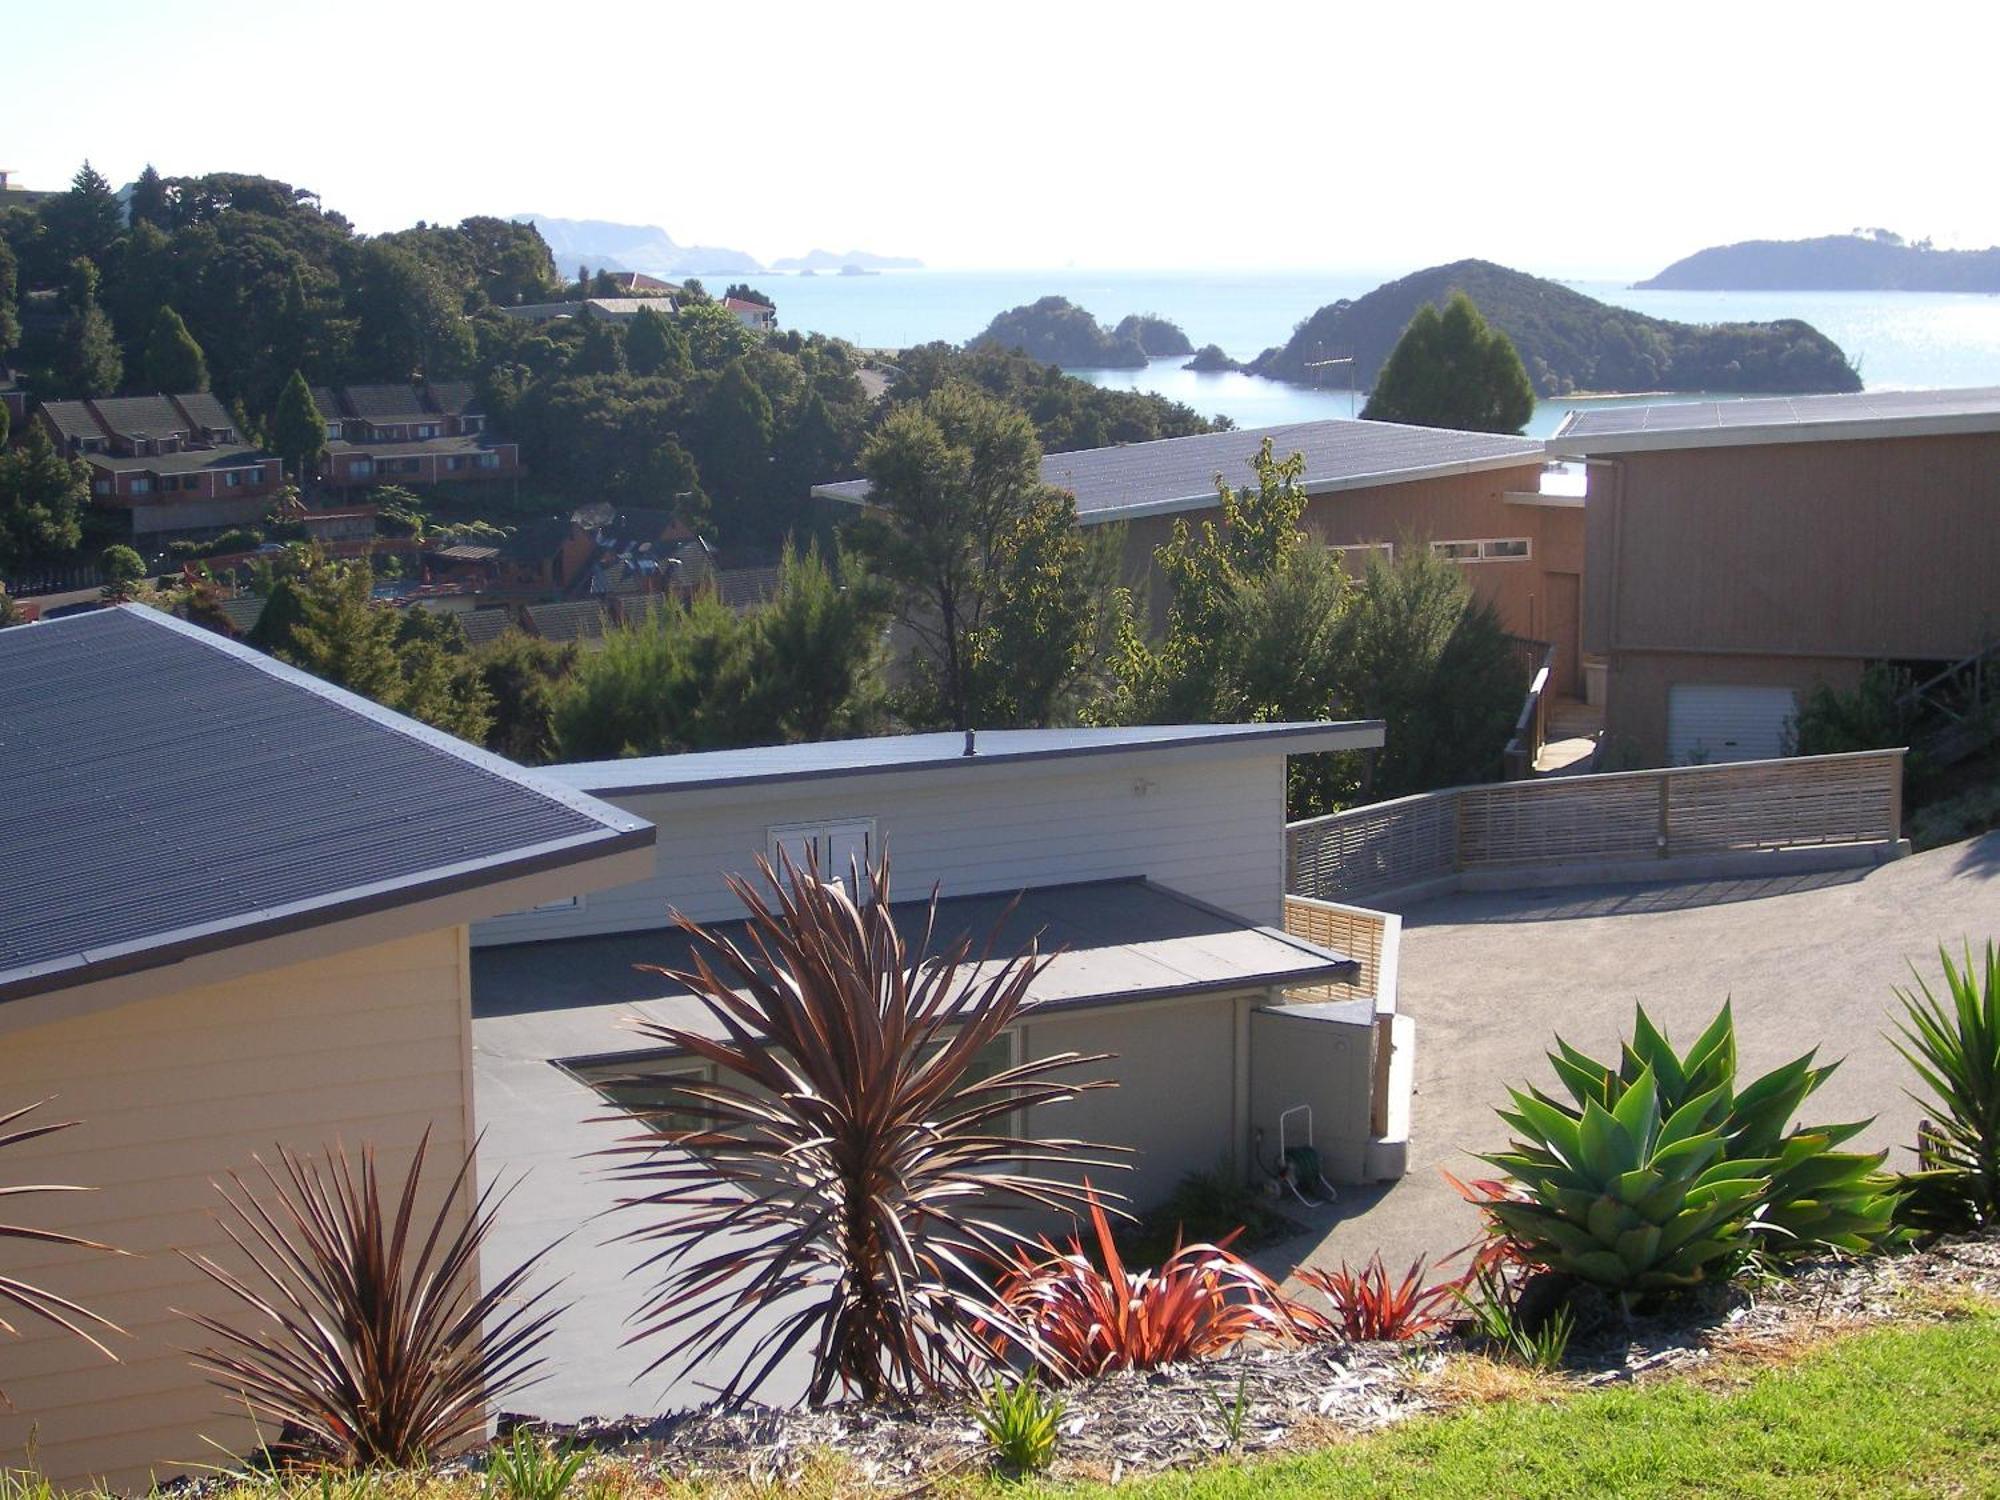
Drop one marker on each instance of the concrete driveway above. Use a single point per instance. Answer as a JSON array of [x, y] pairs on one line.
[[1809, 961]]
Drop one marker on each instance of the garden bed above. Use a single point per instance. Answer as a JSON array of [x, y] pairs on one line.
[[1298, 1397]]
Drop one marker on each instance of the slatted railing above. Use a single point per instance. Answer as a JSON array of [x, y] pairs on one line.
[[1810, 800], [1370, 938]]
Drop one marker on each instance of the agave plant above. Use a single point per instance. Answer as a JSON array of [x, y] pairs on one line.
[[374, 1344], [1369, 1306], [1955, 1049], [1084, 1315], [1623, 1197], [1815, 1197], [845, 1189], [26, 1297]]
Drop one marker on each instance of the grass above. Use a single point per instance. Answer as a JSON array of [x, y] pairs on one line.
[[1897, 1411]]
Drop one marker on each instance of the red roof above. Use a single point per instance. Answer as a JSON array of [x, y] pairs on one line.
[[743, 304]]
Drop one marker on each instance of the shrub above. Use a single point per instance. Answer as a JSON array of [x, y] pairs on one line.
[[1021, 1421], [1368, 1306], [1624, 1198], [1493, 1306], [25, 1296], [373, 1342], [1205, 1206], [845, 1092], [1081, 1320], [1955, 1049], [1815, 1197], [526, 1466]]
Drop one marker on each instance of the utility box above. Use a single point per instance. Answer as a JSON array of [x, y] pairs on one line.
[[1337, 1058]]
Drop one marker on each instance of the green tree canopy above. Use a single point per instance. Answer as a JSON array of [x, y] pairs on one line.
[[122, 568], [654, 346], [298, 429], [87, 361], [149, 203], [1453, 370], [42, 500], [174, 362], [10, 321]]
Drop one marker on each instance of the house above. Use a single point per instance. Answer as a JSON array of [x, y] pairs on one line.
[[758, 317], [579, 621], [1742, 552], [611, 309], [174, 463], [1373, 487], [409, 435], [639, 284], [239, 920], [1151, 857]]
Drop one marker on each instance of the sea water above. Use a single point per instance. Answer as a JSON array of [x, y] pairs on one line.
[[1900, 340]]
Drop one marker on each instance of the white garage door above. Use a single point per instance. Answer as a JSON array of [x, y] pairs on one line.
[[1708, 724]]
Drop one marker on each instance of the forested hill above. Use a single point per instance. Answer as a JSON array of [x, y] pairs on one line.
[[1873, 262], [1568, 341]]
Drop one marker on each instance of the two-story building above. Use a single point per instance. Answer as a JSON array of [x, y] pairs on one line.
[[758, 317], [409, 435], [176, 463]]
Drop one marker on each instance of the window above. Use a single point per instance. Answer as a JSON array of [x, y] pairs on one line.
[[333, 432], [234, 478], [361, 468], [101, 486], [1509, 550], [142, 485], [428, 430], [1490, 549], [489, 460], [1457, 551], [836, 845], [472, 424], [1358, 555], [455, 462]]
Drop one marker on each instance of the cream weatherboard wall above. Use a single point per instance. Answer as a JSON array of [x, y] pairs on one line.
[[1209, 826], [175, 1091]]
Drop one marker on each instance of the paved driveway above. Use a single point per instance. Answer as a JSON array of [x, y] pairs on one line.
[[1808, 960]]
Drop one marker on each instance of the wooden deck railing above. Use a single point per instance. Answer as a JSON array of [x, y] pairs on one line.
[[1531, 728], [1370, 938], [1855, 798]]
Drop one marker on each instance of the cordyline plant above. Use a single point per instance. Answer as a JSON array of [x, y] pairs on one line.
[[1369, 1306], [839, 1193], [374, 1344], [1082, 1320], [1953, 1043], [24, 1296]]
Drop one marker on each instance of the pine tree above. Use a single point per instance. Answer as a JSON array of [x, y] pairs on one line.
[[654, 346], [1453, 370], [298, 429], [174, 361], [149, 203], [42, 497]]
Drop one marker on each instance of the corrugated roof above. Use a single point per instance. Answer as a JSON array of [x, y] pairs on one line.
[[170, 792], [1120, 942], [1778, 419], [1175, 474], [908, 752]]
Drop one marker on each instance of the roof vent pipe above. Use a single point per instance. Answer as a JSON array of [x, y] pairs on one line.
[[968, 740]]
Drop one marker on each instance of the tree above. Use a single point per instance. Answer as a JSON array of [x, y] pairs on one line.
[[298, 429], [122, 568], [174, 361], [42, 499], [149, 204], [525, 677], [818, 649], [654, 346], [735, 444], [603, 349], [85, 221], [1453, 370], [87, 359], [681, 679], [10, 321], [961, 526]]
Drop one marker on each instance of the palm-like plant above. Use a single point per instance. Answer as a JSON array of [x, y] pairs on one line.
[[25, 1296], [376, 1344], [838, 1192], [1369, 1306], [1955, 1049]]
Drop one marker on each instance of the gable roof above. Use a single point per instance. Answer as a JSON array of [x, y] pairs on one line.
[[1778, 419], [931, 752], [571, 620], [72, 420], [1178, 474], [455, 398], [386, 403], [149, 416], [205, 411], [171, 793]]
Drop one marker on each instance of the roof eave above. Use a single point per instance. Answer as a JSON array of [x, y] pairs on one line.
[[1840, 430]]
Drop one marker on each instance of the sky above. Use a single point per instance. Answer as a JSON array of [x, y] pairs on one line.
[[1601, 139]]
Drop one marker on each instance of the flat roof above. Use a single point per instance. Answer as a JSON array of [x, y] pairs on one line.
[[1115, 942], [1129, 480], [171, 793], [911, 752], [1778, 419]]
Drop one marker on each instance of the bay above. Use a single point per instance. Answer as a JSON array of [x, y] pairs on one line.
[[1900, 340]]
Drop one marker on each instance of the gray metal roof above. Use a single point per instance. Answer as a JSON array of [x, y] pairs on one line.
[[1778, 419], [1120, 941], [1176, 474], [169, 793], [913, 752]]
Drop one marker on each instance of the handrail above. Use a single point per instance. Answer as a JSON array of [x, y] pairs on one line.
[[1531, 724]]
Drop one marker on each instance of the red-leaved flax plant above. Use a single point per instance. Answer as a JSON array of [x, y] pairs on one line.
[[373, 1343], [24, 1296], [847, 1187]]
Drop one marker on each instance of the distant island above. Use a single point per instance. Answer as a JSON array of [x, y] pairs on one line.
[[1209, 359], [1868, 260], [1056, 331], [852, 263], [1568, 341], [606, 246], [1158, 336]]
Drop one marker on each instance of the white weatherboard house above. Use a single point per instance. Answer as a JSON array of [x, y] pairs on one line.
[[1152, 857], [236, 916]]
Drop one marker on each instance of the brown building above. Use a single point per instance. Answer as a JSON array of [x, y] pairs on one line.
[[1741, 552], [176, 463], [1374, 487], [409, 435]]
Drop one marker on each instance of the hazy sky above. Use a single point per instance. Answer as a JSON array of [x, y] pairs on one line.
[[1582, 139]]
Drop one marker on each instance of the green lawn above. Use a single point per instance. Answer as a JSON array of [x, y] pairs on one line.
[[1900, 1411]]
